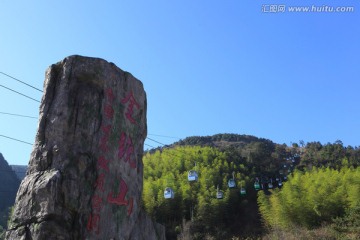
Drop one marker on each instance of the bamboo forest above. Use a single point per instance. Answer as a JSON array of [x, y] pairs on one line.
[[230, 186]]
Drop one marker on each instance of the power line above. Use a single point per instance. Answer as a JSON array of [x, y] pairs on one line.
[[21, 81], [165, 145], [149, 145], [163, 136], [15, 139], [17, 115], [155, 141], [20, 93], [170, 153]]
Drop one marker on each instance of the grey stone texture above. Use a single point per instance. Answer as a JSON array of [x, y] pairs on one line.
[[85, 174]]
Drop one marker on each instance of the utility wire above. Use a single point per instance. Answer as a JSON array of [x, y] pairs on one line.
[[149, 145], [20, 81], [15, 139], [162, 136], [156, 141], [167, 153], [164, 144], [172, 154], [20, 93], [17, 115]]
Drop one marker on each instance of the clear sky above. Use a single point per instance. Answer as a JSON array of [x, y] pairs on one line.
[[215, 66]]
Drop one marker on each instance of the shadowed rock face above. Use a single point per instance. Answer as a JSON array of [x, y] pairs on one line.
[[84, 179]]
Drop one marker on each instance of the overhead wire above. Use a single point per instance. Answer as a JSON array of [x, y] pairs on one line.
[[25, 116], [149, 145], [20, 93], [15, 139], [17, 115], [21, 81], [156, 141], [170, 153], [162, 136], [14, 114]]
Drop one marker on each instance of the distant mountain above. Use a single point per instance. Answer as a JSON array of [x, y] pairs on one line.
[[222, 140], [20, 171], [8, 188]]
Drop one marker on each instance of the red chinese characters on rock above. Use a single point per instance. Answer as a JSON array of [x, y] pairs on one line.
[[109, 95], [131, 204], [100, 181], [109, 100], [93, 223], [119, 199], [103, 163], [109, 111], [126, 150], [130, 107], [104, 139], [96, 203]]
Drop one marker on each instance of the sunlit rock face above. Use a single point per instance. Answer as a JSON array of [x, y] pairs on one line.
[[85, 174]]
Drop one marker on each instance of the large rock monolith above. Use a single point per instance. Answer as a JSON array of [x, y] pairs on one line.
[[84, 179]]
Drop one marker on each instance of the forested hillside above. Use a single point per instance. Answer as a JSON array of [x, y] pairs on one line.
[[8, 188], [196, 210], [302, 191], [313, 198]]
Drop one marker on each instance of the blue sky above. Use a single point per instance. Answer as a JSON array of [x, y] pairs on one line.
[[207, 66]]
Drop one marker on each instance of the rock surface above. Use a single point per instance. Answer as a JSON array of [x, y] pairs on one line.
[[84, 179]]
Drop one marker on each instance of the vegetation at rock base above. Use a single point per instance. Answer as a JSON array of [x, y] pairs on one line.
[[315, 191]]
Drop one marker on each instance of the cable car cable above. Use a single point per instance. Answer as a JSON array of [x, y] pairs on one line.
[[21, 81], [155, 141], [16, 139], [20, 93], [17, 115], [157, 135]]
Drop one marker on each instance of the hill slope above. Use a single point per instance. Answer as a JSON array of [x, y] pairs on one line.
[[218, 159], [8, 188]]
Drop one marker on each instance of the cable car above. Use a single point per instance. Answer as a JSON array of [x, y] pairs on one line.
[[270, 185], [231, 182], [280, 183], [192, 176], [169, 193], [243, 191], [219, 194], [257, 185]]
